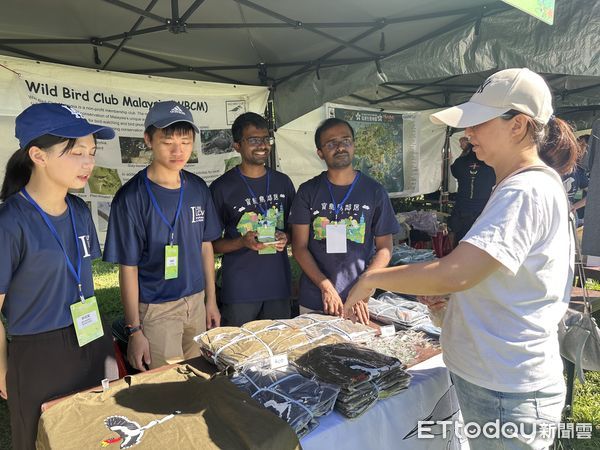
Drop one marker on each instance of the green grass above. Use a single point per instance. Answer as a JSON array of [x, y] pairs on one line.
[[593, 285], [586, 407]]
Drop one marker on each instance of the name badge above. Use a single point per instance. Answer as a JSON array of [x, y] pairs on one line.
[[171, 262], [335, 238], [266, 235], [86, 320]]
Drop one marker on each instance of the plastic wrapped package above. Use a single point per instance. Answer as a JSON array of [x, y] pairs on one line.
[[362, 374], [390, 308], [404, 254], [294, 398]]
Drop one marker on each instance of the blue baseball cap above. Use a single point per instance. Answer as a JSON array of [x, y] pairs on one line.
[[57, 120], [163, 114]]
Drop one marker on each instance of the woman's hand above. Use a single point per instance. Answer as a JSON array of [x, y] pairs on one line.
[[359, 292]]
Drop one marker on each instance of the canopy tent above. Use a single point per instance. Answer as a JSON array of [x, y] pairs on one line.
[[431, 53]]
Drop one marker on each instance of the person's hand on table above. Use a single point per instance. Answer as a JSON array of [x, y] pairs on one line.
[[138, 351], [332, 303], [358, 293], [360, 313]]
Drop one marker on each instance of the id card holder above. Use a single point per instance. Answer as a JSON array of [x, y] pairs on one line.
[[266, 235], [171, 262], [335, 238], [86, 320]]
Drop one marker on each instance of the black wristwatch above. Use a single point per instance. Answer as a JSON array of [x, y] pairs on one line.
[[130, 329]]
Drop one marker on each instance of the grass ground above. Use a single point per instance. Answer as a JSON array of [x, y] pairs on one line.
[[586, 408]]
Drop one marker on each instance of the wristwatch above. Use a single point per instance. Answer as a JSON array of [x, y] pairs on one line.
[[130, 329]]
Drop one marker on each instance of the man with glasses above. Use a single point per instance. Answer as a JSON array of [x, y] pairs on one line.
[[342, 224], [253, 203]]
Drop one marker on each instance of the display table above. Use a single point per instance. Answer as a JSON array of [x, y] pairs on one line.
[[392, 423]]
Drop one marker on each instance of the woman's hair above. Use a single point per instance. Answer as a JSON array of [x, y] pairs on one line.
[[556, 143], [19, 166]]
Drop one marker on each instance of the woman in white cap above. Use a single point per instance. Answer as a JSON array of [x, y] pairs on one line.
[[47, 242], [510, 276]]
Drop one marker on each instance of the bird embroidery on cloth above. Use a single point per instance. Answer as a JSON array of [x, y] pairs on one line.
[[130, 433]]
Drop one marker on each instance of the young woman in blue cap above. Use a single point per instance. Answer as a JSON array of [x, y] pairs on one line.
[[510, 276], [48, 241]]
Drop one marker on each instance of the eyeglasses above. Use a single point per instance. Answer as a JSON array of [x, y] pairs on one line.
[[335, 144], [256, 141]]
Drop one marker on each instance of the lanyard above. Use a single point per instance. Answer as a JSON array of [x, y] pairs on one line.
[[76, 273], [263, 209], [339, 206], [159, 210]]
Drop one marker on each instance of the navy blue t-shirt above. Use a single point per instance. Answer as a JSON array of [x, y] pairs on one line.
[[247, 275], [34, 276], [575, 181], [475, 182], [367, 213], [137, 235]]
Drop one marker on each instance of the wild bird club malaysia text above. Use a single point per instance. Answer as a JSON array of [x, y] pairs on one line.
[[68, 93]]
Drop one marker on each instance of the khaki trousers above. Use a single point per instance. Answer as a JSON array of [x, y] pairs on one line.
[[170, 328]]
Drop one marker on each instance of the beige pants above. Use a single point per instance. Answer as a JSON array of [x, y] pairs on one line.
[[171, 327]]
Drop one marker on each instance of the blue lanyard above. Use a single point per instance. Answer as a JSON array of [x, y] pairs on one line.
[[76, 273], [339, 206], [157, 206], [263, 209]]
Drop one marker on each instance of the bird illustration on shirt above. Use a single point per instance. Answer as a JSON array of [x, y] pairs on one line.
[[130, 432]]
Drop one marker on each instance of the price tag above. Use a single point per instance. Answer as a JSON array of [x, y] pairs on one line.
[[388, 330], [279, 361]]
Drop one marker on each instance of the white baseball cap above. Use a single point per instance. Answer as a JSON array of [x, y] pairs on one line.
[[519, 89]]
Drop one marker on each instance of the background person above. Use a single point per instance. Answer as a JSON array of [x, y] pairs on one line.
[[511, 275], [256, 279], [48, 241], [578, 180], [475, 182], [342, 225], [161, 225]]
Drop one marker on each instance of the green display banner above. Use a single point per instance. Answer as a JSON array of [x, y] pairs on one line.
[[540, 9]]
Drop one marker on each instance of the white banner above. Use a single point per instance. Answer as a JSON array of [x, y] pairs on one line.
[[122, 102]]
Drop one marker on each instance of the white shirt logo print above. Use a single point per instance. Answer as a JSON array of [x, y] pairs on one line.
[[197, 214], [85, 244], [177, 110], [73, 111]]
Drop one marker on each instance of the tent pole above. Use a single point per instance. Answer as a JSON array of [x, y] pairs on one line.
[[271, 120], [445, 171]]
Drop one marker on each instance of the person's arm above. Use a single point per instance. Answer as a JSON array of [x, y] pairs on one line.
[[3, 356], [225, 245], [579, 204], [381, 259], [383, 253], [462, 269], [332, 303], [138, 348], [213, 317]]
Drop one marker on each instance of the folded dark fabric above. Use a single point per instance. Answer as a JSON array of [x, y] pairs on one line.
[[362, 374], [294, 398]]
